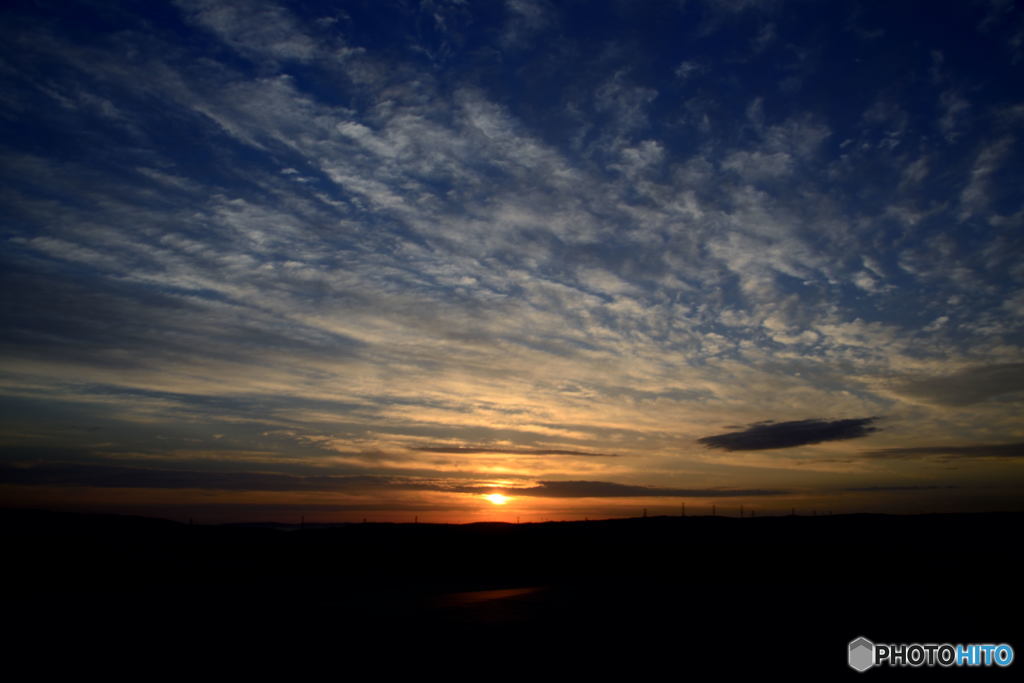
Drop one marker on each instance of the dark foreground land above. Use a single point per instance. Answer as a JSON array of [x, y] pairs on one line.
[[633, 595]]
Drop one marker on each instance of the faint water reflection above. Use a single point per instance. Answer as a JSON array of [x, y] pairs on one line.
[[477, 597]]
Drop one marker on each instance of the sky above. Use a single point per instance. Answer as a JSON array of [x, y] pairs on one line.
[[381, 259]]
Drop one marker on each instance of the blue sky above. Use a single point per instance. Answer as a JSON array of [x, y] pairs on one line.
[[379, 258]]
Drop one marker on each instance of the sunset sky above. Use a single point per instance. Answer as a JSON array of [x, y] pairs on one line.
[[378, 259]]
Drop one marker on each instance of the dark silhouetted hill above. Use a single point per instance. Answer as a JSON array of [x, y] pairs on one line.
[[658, 584]]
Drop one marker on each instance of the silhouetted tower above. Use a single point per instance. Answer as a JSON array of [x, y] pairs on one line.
[[713, 513], [682, 509], [741, 511], [645, 513]]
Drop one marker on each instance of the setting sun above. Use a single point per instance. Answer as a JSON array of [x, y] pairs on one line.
[[497, 498]]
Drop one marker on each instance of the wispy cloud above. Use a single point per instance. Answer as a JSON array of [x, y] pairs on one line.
[[408, 240], [253, 27], [975, 196]]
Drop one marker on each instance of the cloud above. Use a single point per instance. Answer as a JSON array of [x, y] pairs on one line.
[[688, 68], [971, 385], [254, 28], [386, 253], [760, 436], [896, 488], [759, 166], [103, 476], [955, 107], [63, 474], [468, 450], [998, 451], [975, 196], [604, 489]]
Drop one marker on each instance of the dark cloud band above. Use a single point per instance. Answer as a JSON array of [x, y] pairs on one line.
[[470, 450], [605, 489], [104, 476], [968, 386], [1002, 450], [765, 436], [61, 474]]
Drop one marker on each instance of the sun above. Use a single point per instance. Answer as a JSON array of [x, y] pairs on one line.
[[497, 498]]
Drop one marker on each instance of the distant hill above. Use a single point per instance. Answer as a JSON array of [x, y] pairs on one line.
[[689, 593], [796, 550]]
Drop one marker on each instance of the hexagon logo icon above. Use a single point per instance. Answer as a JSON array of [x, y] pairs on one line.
[[862, 654]]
